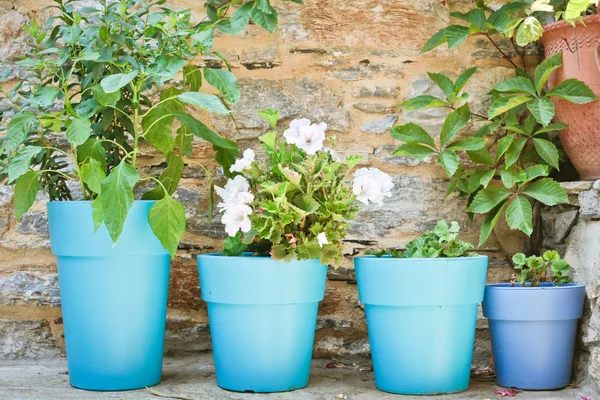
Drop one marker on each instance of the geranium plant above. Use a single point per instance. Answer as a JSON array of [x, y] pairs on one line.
[[297, 202], [535, 270], [442, 241], [501, 159], [102, 82]]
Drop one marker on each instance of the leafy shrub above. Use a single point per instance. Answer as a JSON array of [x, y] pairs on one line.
[[534, 270], [442, 241], [296, 203]]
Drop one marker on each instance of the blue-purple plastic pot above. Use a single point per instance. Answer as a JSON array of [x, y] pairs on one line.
[[533, 333], [421, 316], [114, 298], [263, 316]]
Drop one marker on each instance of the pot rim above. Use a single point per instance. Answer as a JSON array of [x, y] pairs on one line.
[[248, 255], [506, 286], [437, 259], [593, 19], [90, 201]]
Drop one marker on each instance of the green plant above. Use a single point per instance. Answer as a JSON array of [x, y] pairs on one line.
[[534, 270], [102, 82], [442, 241], [502, 165], [297, 203]]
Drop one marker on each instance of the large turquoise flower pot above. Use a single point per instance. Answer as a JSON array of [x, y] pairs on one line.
[[114, 298], [263, 316], [421, 316]]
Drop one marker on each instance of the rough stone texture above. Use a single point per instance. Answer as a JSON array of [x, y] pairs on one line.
[[346, 63], [575, 231], [193, 377]]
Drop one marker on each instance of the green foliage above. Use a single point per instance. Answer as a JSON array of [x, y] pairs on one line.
[[103, 64], [296, 197], [534, 270], [442, 241], [499, 161]]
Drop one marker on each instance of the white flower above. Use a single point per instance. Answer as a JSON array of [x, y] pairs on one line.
[[235, 192], [309, 137], [236, 218], [322, 239], [244, 162], [371, 184]]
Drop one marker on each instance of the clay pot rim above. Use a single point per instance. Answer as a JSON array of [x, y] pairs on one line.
[[588, 19]]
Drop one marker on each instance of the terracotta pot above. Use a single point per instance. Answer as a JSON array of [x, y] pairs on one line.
[[579, 48]]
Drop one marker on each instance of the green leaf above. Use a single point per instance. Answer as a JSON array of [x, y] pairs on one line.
[[413, 150], [166, 68], [240, 18], [503, 145], [475, 16], [112, 83], [78, 131], [206, 101], [271, 116], [455, 121], [535, 171], [463, 79], [265, 20], [546, 190], [488, 198], [156, 125], [542, 109], [225, 82], [203, 132], [92, 175], [547, 150], [412, 133], [103, 98], [97, 213], [85, 109], [449, 161], [487, 129], [92, 148], [510, 177], [18, 128], [352, 161], [167, 220], [490, 221], [269, 139], [502, 104], [481, 156], [519, 215], [436, 40], [193, 77], [575, 8], [551, 128], [117, 197], [516, 85], [26, 190], [443, 82], [543, 71], [455, 35], [169, 177], [529, 31], [421, 102], [469, 143], [573, 90], [20, 162], [514, 151]]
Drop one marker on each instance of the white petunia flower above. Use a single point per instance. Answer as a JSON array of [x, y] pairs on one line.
[[371, 184], [236, 218], [308, 137], [244, 162], [235, 192], [322, 239]]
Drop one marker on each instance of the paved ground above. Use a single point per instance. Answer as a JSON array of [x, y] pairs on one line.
[[193, 378]]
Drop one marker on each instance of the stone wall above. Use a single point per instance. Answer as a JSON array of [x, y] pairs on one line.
[[343, 62], [574, 230]]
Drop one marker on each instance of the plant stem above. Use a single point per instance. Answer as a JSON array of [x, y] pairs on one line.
[[522, 55], [500, 50], [136, 120]]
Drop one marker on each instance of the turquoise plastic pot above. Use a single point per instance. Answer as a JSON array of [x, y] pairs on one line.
[[421, 316], [263, 316], [114, 298], [533, 333]]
